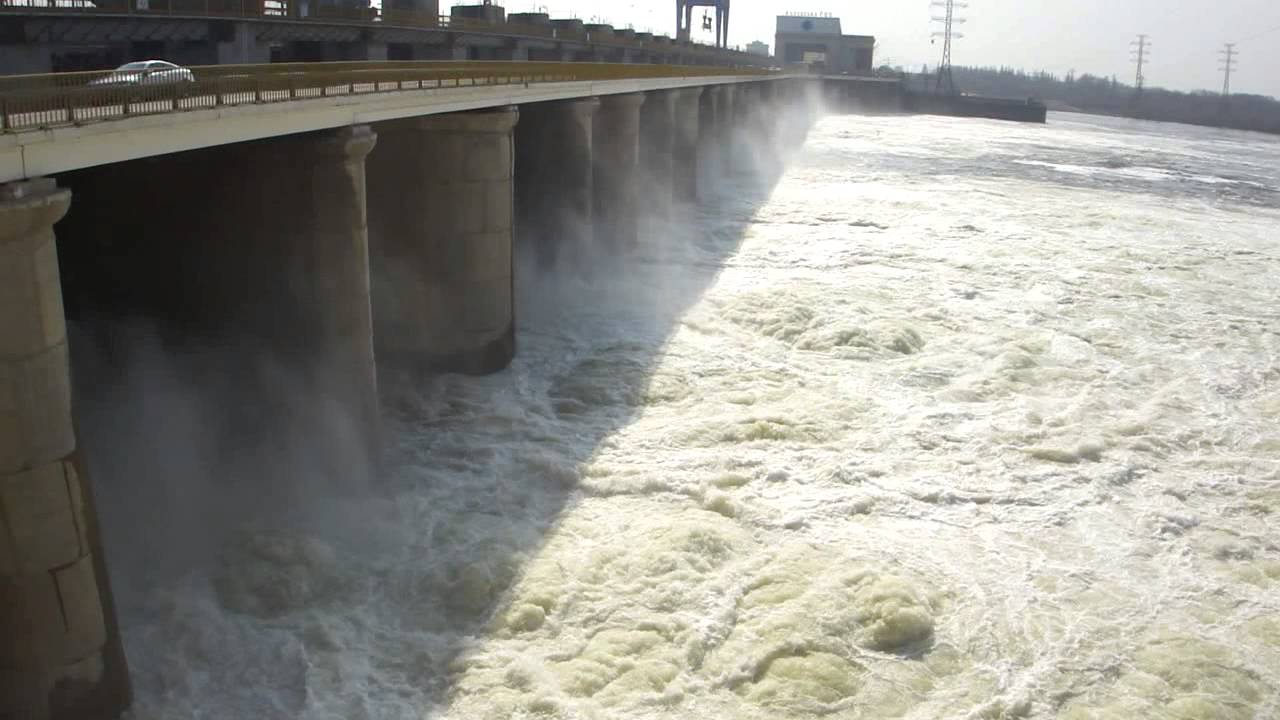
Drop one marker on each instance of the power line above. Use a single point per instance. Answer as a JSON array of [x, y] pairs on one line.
[[1228, 62], [1141, 49], [949, 21], [1259, 34]]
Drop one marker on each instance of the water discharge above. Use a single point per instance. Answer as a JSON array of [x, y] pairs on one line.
[[961, 419]]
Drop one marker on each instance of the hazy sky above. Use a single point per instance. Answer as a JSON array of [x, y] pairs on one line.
[[1087, 35]]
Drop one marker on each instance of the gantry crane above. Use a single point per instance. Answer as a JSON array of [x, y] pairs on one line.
[[684, 19]]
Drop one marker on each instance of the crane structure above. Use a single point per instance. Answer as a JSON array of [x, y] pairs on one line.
[[684, 19], [947, 33]]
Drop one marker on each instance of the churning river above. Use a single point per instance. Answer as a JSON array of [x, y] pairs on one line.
[[949, 419]]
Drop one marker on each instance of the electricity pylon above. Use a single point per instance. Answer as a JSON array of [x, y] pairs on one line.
[[1141, 49], [949, 21], [1228, 64]]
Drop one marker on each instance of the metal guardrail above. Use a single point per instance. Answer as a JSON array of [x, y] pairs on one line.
[[29, 102], [313, 11]]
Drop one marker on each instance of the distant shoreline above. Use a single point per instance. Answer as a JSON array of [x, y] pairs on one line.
[[1062, 108], [1095, 95]]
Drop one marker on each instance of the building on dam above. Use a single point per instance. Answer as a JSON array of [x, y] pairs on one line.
[[819, 41]]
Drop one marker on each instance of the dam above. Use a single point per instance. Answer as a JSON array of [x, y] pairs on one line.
[[346, 221]]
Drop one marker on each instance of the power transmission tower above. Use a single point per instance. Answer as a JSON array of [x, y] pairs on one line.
[[1141, 51], [949, 21], [1228, 63]]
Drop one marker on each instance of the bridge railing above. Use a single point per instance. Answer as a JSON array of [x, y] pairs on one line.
[[29, 102]]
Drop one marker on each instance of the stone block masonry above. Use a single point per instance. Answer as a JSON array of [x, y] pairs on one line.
[[60, 653], [440, 212]]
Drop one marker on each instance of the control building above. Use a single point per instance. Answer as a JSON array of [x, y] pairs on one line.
[[818, 40]]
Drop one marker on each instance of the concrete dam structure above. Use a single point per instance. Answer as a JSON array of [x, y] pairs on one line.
[[345, 222], [893, 95]]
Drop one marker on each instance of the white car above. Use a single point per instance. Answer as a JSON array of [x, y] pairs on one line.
[[147, 72]]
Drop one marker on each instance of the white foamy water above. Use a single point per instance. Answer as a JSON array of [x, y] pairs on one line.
[[958, 419]]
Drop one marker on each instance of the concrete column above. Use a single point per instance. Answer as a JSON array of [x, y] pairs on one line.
[[762, 123], [60, 653], [329, 243], [657, 151], [749, 135], [450, 50], [441, 208], [283, 225], [768, 96], [518, 51], [709, 149], [554, 178], [792, 109], [726, 121], [685, 151], [616, 156], [242, 46], [806, 93], [748, 103]]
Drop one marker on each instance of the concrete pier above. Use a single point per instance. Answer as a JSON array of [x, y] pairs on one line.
[[657, 151], [256, 253], [234, 286], [440, 199], [327, 227], [709, 149], [616, 151], [726, 123], [554, 178], [299, 209], [744, 134], [685, 145], [61, 655]]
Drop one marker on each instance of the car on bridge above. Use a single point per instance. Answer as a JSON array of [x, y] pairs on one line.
[[147, 72]]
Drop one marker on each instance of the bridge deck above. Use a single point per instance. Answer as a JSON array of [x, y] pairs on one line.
[[55, 123]]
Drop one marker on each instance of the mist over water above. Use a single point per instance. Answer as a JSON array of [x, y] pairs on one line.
[[951, 419]]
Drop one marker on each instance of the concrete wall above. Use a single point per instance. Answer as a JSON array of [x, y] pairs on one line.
[[421, 7], [867, 95], [25, 59], [42, 44], [242, 46]]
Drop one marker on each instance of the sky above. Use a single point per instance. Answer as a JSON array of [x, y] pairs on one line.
[[1090, 36]]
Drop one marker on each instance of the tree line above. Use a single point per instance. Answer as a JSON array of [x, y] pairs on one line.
[[1109, 96]]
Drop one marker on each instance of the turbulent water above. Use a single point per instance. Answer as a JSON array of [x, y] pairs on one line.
[[950, 419]]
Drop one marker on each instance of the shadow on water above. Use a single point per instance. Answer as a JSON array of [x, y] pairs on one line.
[[492, 463], [257, 569]]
